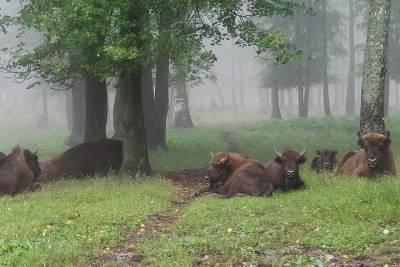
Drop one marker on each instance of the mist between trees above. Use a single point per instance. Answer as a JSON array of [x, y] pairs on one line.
[[140, 68]]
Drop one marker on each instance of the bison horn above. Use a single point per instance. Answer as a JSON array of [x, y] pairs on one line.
[[279, 154], [212, 154], [304, 151]]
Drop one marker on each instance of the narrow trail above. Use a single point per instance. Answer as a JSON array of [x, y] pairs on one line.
[[185, 183]]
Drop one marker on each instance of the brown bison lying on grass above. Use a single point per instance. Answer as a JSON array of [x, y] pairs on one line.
[[234, 173], [374, 158], [324, 161], [87, 159], [18, 171], [284, 170]]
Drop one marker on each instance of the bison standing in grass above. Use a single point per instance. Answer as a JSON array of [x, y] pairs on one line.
[[234, 173], [375, 157], [18, 171], [325, 160], [284, 170]]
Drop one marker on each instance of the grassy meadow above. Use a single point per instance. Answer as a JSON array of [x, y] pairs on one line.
[[72, 222]]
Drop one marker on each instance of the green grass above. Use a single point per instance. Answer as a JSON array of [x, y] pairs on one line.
[[338, 214], [68, 223]]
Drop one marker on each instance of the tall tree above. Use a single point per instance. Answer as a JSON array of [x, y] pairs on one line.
[[373, 83], [325, 58], [78, 108], [350, 93]]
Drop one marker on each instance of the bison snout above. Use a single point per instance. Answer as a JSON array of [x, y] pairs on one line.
[[326, 165], [372, 162], [290, 173]]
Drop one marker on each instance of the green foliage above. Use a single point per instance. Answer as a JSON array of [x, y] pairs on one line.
[[102, 38]]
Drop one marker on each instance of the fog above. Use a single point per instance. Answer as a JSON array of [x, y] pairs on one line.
[[238, 69]]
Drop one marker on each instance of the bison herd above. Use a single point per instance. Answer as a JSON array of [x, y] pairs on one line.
[[229, 173]]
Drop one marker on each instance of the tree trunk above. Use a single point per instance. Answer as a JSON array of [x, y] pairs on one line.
[[325, 59], [183, 118], [96, 109], [68, 109], [234, 103], [117, 113], [78, 96], [45, 114], [220, 95], [241, 86], [276, 112], [350, 94], [373, 83], [135, 154], [299, 66], [171, 110], [387, 92], [397, 94]]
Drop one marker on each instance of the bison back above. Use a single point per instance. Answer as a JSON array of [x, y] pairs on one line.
[[87, 159]]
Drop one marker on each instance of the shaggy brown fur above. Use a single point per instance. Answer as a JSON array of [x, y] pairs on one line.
[[87, 159], [235, 173], [18, 171], [374, 158], [284, 170], [325, 160]]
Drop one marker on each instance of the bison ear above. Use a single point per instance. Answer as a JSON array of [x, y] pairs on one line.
[[318, 152], [334, 152], [278, 160], [387, 134], [388, 141], [302, 159]]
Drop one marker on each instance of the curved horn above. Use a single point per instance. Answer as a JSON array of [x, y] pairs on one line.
[[277, 152], [304, 151]]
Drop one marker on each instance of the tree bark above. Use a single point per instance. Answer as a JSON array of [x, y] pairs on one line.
[[234, 103], [241, 86], [117, 113], [45, 113], [373, 83], [387, 92], [68, 109], [350, 94], [96, 109], [149, 105], [276, 112], [78, 96], [135, 154], [183, 118], [325, 59]]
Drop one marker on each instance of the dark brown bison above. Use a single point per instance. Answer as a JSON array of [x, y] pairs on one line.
[[325, 160], [375, 157], [284, 170], [18, 171], [87, 159], [234, 173]]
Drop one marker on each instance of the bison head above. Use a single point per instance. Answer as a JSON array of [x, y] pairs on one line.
[[375, 147], [32, 161], [218, 166], [290, 160], [327, 158]]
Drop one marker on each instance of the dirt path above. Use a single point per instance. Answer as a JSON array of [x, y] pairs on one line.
[[186, 183]]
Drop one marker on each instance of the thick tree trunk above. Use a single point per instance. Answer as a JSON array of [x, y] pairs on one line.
[[135, 154], [373, 83], [350, 94], [149, 105], [327, 108], [275, 112], [96, 109], [183, 118], [78, 94], [117, 113]]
